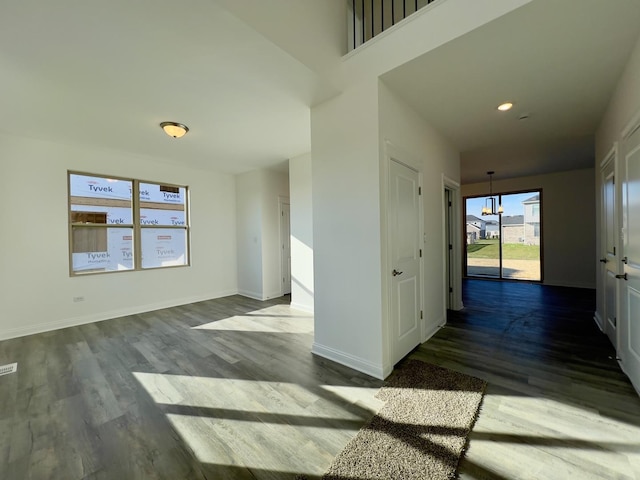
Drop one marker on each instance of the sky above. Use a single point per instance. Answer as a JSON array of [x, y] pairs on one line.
[[512, 204]]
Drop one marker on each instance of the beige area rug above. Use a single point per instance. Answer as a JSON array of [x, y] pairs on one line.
[[421, 431]]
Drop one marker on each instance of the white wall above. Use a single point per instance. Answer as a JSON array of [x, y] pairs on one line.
[[37, 291], [313, 32], [346, 229], [249, 233], [407, 131], [301, 232], [568, 228], [258, 232], [349, 222], [444, 21], [623, 107], [275, 185], [624, 104]]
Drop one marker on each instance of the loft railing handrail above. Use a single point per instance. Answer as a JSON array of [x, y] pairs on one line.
[[372, 17]]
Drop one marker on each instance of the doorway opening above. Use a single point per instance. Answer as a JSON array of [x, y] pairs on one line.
[[507, 246]]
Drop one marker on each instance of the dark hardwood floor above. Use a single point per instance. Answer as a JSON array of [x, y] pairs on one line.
[[228, 389], [557, 404]]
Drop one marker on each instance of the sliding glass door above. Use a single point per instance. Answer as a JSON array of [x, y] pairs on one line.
[[506, 246]]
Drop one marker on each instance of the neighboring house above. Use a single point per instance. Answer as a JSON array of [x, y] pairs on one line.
[[492, 229], [478, 223], [532, 220], [473, 233], [512, 228]]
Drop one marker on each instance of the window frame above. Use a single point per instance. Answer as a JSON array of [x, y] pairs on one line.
[[136, 227]]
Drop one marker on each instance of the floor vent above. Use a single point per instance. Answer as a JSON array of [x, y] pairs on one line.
[[7, 369]]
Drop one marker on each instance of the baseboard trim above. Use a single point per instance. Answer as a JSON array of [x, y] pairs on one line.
[[108, 315], [588, 286], [348, 360], [302, 307], [433, 328], [635, 387], [599, 322], [254, 295]]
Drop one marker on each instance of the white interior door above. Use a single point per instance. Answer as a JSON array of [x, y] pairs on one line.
[[285, 250], [405, 248], [629, 324], [609, 261]]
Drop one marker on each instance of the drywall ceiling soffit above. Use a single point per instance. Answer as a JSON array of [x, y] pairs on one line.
[[559, 62], [105, 74], [522, 160]]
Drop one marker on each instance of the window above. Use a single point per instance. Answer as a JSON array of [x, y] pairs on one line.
[[120, 224]]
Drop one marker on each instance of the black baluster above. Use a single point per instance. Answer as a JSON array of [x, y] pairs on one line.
[[353, 11], [393, 12], [363, 26], [372, 24]]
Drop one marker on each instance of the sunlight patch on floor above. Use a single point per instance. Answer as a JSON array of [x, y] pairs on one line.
[[257, 396], [261, 446], [275, 319], [503, 431]]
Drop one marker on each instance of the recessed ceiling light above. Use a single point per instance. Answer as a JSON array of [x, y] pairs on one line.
[[505, 106]]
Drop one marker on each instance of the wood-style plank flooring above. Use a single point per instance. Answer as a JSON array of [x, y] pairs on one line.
[[223, 389], [227, 389], [557, 405]]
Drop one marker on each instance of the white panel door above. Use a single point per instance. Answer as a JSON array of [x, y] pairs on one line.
[[629, 324], [404, 243], [285, 250], [609, 241]]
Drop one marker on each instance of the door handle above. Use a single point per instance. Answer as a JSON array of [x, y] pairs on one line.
[[603, 260], [395, 273], [622, 276], [625, 260]]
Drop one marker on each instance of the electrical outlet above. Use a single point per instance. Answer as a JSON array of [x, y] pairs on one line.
[[78, 299]]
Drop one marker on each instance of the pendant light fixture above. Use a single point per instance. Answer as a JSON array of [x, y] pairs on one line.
[[173, 129], [490, 203]]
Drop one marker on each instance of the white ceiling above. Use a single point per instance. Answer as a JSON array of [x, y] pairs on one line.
[[557, 60], [107, 73]]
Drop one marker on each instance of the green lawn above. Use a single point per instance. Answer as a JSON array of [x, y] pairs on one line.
[[510, 251]]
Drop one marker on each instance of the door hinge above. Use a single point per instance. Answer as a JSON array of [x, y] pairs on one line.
[[420, 314], [450, 289], [419, 190], [420, 253], [450, 247], [450, 204], [614, 251]]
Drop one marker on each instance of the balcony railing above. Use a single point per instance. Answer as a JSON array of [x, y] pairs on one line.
[[368, 18]]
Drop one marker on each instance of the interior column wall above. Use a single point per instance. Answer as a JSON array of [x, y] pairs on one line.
[[346, 229], [302, 291], [249, 234]]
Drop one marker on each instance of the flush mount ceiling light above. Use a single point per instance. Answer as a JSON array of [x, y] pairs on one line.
[[173, 129], [505, 106]]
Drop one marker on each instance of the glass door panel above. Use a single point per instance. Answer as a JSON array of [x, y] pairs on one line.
[[505, 246], [483, 241]]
